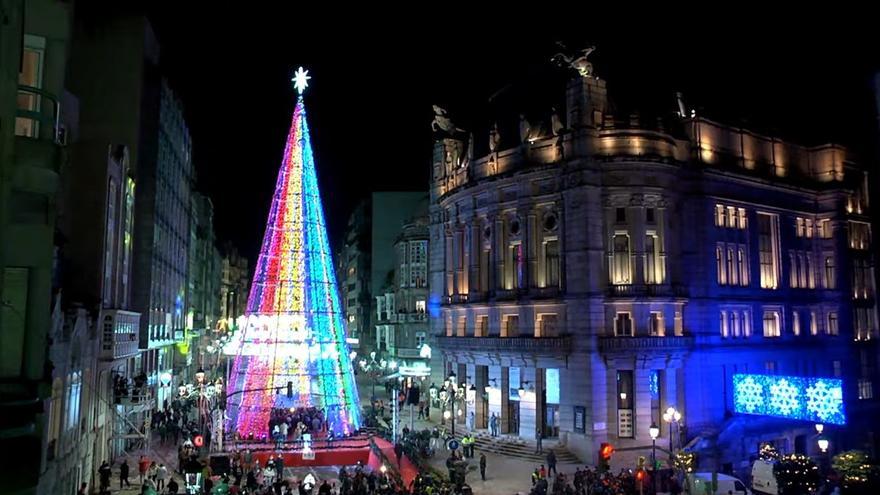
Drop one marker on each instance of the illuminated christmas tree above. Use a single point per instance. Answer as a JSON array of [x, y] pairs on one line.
[[290, 349]]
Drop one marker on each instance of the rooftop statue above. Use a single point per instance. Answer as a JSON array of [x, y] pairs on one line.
[[577, 62]]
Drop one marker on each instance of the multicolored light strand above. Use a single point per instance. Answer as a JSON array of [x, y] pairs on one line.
[[293, 330]]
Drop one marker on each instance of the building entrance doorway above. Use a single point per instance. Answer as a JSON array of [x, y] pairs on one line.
[[513, 417]]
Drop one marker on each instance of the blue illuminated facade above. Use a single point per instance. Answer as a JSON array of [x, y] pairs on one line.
[[818, 400], [655, 262]]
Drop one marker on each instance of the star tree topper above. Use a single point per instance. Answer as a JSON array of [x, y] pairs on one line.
[[301, 80]]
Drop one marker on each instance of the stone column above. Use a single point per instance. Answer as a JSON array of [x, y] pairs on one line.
[[540, 399], [504, 421], [481, 380], [461, 373]]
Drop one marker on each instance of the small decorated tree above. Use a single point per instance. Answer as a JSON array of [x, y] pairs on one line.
[[685, 461], [768, 452], [796, 474], [858, 473]]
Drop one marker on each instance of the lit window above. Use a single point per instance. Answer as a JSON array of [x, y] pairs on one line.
[[824, 227], [866, 389], [814, 323], [720, 216], [654, 269], [551, 263], [743, 263], [656, 324], [832, 323], [830, 282], [623, 325], [859, 235], [731, 216], [768, 250], [723, 324], [621, 270], [420, 306], [796, 323], [721, 273], [771, 323]]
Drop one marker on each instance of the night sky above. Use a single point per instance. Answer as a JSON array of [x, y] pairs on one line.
[[374, 81]]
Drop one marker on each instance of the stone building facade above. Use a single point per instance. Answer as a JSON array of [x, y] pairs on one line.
[[594, 274]]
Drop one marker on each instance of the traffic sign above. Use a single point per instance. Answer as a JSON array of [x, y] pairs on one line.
[[452, 444]]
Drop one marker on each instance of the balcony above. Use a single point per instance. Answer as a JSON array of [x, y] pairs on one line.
[[647, 290], [629, 344], [120, 334], [551, 345]]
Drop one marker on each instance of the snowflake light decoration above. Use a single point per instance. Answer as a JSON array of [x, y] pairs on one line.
[[825, 401], [748, 394], [785, 398], [808, 399]]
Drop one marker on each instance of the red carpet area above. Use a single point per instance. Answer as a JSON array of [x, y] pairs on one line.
[[338, 453]]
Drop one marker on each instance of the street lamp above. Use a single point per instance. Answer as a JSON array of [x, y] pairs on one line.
[[823, 444], [820, 428], [654, 431], [673, 417]]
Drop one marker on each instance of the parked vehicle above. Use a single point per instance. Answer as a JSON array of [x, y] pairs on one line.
[[763, 479], [701, 483]]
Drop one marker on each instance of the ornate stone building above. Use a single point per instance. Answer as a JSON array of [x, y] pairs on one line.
[[401, 309], [602, 269]]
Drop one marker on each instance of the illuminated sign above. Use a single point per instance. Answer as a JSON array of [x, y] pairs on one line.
[[819, 400]]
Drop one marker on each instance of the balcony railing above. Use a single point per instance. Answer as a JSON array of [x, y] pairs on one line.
[[647, 290], [611, 344], [32, 117], [560, 344]]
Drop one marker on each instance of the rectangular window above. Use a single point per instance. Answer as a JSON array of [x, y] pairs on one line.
[[482, 326], [808, 227], [31, 74], [653, 265], [723, 324], [772, 324], [421, 306], [799, 226], [621, 270], [768, 249], [866, 389], [511, 326], [731, 216], [747, 323], [720, 216], [830, 277], [814, 323], [551, 262], [74, 390], [517, 266], [620, 215], [485, 264], [859, 235], [743, 265], [731, 267], [649, 215], [546, 326], [809, 268], [623, 326], [625, 404], [795, 323], [461, 327], [832, 323], [735, 324], [720, 266], [421, 337], [743, 222], [824, 228], [655, 323]]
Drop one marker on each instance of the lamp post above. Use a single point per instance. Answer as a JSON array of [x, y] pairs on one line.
[[673, 417], [374, 368], [453, 393], [654, 431]]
